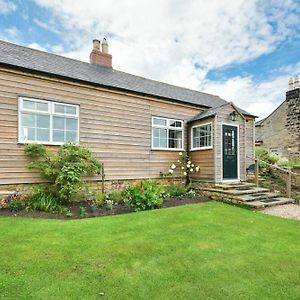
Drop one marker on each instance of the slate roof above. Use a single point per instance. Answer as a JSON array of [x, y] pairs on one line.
[[15, 56], [213, 111]]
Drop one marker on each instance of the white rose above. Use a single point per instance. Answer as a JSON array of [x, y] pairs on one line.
[[180, 153], [193, 165], [173, 167], [182, 168], [184, 173], [171, 171], [192, 170], [189, 162]]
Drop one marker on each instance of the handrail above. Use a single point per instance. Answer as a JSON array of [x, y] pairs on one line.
[[288, 172], [275, 166]]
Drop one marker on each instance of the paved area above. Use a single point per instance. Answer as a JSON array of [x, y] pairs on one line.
[[289, 211]]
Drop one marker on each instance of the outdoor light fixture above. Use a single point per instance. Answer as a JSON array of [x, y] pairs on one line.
[[233, 116]]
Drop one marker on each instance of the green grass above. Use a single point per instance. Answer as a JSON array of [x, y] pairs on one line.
[[204, 251]]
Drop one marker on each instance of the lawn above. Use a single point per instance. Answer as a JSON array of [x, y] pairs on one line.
[[201, 251]]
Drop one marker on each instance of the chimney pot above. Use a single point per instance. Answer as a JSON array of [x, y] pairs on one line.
[[104, 46], [291, 84], [296, 82], [96, 44]]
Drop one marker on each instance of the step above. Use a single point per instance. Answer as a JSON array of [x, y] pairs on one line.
[[277, 201], [230, 186], [256, 197], [235, 192]]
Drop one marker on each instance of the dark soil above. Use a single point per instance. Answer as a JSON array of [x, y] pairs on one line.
[[92, 211]]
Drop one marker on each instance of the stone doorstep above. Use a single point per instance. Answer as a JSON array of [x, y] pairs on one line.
[[251, 197], [234, 192], [229, 186], [259, 204]]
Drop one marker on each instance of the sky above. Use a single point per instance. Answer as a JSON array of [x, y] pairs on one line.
[[245, 51]]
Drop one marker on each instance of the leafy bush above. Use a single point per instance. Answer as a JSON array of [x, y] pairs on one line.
[[144, 196], [100, 199], [16, 205], [116, 196], [176, 190], [82, 212], [41, 199], [65, 169]]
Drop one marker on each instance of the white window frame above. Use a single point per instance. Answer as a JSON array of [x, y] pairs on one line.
[[168, 127], [192, 137], [51, 112]]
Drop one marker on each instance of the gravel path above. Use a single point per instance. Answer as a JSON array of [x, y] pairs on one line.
[[289, 211]]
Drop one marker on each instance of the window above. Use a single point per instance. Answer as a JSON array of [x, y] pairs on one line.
[[202, 136], [166, 133], [47, 122]]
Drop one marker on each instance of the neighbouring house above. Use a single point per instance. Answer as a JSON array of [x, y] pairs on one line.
[[280, 131], [135, 126]]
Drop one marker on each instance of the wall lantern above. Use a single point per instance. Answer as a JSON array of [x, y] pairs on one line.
[[233, 116]]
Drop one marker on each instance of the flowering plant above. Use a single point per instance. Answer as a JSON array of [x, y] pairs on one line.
[[109, 204], [185, 166]]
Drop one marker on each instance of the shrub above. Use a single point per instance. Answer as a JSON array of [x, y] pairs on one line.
[[176, 190], [82, 212], [65, 169], [100, 199], [116, 196], [16, 205], [144, 196], [41, 199]]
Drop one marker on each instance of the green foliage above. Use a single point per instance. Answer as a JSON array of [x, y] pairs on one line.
[[64, 170], [82, 212], [69, 214], [116, 196], [41, 199], [109, 204], [100, 199], [16, 205], [176, 190], [144, 196]]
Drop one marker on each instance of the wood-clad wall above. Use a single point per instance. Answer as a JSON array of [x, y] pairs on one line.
[[116, 126], [204, 158]]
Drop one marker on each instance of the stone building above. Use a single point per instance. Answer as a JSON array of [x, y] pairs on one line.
[[280, 131]]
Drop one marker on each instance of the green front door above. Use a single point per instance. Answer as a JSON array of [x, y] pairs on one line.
[[230, 152]]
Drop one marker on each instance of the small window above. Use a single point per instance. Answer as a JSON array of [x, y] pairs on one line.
[[167, 133], [47, 122], [202, 136]]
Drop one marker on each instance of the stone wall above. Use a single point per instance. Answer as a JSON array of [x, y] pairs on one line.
[[280, 132]]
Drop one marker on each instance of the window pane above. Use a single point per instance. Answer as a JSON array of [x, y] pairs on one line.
[[71, 110], [174, 123], [28, 134], [28, 120], [156, 142], [71, 124], [42, 106], [159, 121], [43, 121], [58, 136], [160, 138], [27, 104], [60, 108], [71, 136], [58, 123], [156, 132], [202, 136], [43, 135], [175, 138]]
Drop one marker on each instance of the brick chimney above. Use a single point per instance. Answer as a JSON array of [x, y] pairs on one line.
[[98, 57]]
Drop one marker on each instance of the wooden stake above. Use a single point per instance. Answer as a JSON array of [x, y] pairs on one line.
[[256, 172]]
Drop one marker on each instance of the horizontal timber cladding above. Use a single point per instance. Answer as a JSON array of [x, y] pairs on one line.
[[115, 126], [203, 158]]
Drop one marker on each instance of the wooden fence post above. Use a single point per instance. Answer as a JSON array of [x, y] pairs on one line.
[[102, 178], [256, 172], [289, 185]]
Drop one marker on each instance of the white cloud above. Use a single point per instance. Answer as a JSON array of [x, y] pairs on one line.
[[166, 41], [37, 46], [7, 7]]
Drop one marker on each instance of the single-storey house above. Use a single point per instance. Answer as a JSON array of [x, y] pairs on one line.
[[135, 126]]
